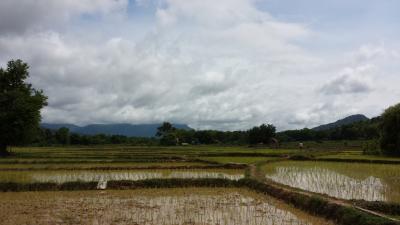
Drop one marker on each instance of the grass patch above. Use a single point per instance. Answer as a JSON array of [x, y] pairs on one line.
[[98, 166], [244, 160], [389, 208], [359, 157]]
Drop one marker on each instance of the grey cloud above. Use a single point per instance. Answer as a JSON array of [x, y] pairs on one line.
[[352, 81], [18, 16]]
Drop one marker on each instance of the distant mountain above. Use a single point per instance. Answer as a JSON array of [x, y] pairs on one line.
[[345, 121], [130, 130]]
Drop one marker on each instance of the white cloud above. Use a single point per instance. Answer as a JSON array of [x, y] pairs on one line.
[[211, 64]]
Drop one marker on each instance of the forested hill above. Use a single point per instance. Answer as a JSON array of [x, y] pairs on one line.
[[129, 130], [345, 121], [351, 128]]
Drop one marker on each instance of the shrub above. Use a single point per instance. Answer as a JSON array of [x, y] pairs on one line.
[[371, 148]]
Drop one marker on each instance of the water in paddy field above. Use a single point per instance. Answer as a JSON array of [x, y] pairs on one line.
[[371, 182], [197, 206], [104, 176]]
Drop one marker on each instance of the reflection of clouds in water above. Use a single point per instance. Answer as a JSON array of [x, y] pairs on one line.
[[93, 176], [206, 175], [329, 182], [107, 176]]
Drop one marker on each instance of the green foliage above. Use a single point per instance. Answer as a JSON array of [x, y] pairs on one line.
[[47, 137], [371, 148], [261, 134], [364, 130], [164, 129], [63, 136], [167, 135], [390, 130], [389, 208], [302, 156], [168, 140], [20, 106]]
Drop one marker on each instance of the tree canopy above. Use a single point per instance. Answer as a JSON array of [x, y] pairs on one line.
[[20, 106], [167, 135], [261, 134], [390, 130]]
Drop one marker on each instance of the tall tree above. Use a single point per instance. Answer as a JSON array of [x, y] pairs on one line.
[[390, 130], [167, 135], [261, 134], [20, 106], [63, 136]]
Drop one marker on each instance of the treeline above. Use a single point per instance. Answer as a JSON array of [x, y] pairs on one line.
[[62, 136], [262, 134], [363, 130], [166, 135]]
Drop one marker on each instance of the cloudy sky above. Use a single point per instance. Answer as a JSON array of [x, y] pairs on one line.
[[226, 64]]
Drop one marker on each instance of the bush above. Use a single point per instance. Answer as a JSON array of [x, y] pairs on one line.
[[371, 148], [301, 157]]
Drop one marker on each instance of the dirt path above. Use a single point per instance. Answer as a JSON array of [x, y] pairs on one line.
[[258, 175]]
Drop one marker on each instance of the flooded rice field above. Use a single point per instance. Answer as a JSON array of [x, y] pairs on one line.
[[195, 206], [62, 176], [107, 165], [371, 182]]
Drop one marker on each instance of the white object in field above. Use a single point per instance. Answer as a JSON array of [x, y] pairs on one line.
[[102, 184], [301, 145]]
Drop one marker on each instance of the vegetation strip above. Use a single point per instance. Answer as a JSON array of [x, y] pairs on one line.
[[139, 160], [242, 154], [341, 214], [389, 208], [378, 161]]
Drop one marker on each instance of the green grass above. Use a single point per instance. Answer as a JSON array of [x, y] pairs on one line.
[[245, 160], [114, 154], [11, 166], [325, 145], [357, 155]]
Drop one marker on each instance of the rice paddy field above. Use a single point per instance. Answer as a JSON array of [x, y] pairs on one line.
[[366, 181], [245, 160], [357, 155], [63, 176], [196, 205], [223, 206], [99, 165]]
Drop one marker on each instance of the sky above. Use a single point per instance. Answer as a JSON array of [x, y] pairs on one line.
[[226, 64]]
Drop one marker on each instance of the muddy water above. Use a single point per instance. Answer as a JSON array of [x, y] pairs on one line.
[[371, 182], [222, 206]]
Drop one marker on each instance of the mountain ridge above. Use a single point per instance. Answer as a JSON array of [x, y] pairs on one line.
[[345, 121]]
